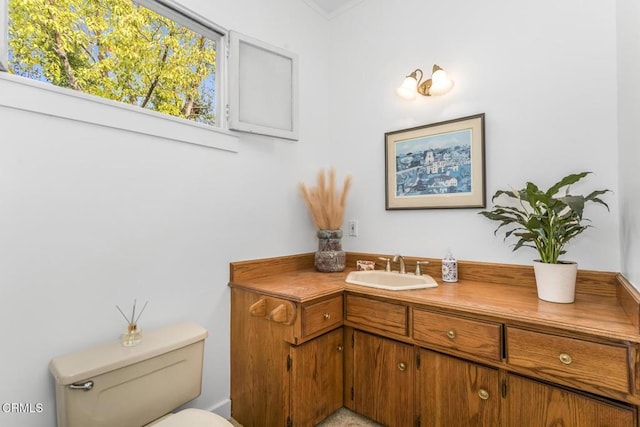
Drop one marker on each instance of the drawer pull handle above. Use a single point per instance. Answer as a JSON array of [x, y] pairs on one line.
[[451, 334], [326, 316], [340, 348], [402, 366], [565, 358], [484, 394]]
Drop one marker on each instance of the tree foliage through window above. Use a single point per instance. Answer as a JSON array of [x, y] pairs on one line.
[[116, 49]]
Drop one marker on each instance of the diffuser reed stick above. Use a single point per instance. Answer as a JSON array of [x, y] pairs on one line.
[[326, 205], [132, 336], [134, 319]]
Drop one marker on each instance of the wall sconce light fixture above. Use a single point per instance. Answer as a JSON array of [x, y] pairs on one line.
[[438, 84]]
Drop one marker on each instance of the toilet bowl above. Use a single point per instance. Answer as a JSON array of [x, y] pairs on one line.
[[109, 385]]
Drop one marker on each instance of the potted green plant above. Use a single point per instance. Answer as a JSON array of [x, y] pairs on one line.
[[546, 221]]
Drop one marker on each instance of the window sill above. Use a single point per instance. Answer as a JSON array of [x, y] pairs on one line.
[[30, 95]]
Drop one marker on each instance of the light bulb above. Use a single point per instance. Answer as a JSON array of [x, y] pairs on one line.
[[408, 88], [440, 83]]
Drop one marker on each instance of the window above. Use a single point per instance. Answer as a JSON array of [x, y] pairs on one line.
[[145, 54], [268, 77], [147, 66]]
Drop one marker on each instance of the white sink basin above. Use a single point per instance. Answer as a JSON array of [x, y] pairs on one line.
[[390, 280]]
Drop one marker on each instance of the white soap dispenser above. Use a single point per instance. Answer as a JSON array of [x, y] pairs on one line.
[[449, 268]]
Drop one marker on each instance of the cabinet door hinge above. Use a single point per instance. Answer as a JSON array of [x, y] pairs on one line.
[[353, 339], [418, 359], [352, 393], [504, 388], [289, 423], [289, 362], [418, 421]]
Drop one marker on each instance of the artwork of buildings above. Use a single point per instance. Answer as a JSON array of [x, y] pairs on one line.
[[439, 165]]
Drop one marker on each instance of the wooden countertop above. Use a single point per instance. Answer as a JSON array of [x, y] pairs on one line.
[[606, 304]]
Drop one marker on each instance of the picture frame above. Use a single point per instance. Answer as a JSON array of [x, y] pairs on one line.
[[436, 166]]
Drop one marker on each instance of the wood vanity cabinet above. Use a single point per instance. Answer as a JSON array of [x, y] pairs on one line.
[[286, 360], [383, 379], [316, 379], [484, 352], [454, 392], [459, 370], [583, 364], [452, 332], [575, 362], [398, 384], [531, 403]]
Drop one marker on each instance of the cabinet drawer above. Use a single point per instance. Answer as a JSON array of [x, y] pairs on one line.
[[470, 336], [321, 315], [602, 365], [374, 314]]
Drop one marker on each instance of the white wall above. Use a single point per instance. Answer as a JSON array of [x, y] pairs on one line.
[[542, 72], [628, 113], [91, 217]]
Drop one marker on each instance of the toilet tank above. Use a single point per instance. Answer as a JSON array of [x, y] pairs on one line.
[[110, 385]]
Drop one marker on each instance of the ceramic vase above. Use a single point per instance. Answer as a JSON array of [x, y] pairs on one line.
[[556, 282], [330, 257]]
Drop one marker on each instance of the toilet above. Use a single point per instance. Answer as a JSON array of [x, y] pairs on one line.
[[110, 385]]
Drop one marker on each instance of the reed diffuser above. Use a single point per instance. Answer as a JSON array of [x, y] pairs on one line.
[[326, 206], [132, 335]]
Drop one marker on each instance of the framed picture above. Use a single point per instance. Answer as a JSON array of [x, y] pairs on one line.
[[436, 166]]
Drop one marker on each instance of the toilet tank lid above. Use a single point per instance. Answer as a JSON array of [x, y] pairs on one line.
[[102, 358]]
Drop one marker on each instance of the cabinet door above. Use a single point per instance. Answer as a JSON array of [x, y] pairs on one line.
[[531, 403], [383, 379], [259, 376], [316, 379], [453, 392]]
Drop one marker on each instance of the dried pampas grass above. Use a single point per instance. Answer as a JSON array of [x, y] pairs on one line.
[[325, 204]]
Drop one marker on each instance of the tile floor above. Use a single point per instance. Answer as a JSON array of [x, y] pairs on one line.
[[344, 417], [341, 418]]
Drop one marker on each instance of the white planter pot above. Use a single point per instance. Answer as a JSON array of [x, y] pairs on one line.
[[556, 282]]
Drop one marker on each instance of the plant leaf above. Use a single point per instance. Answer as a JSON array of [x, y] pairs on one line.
[[567, 180], [540, 219]]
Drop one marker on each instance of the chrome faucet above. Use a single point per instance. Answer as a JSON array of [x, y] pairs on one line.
[[401, 259]]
